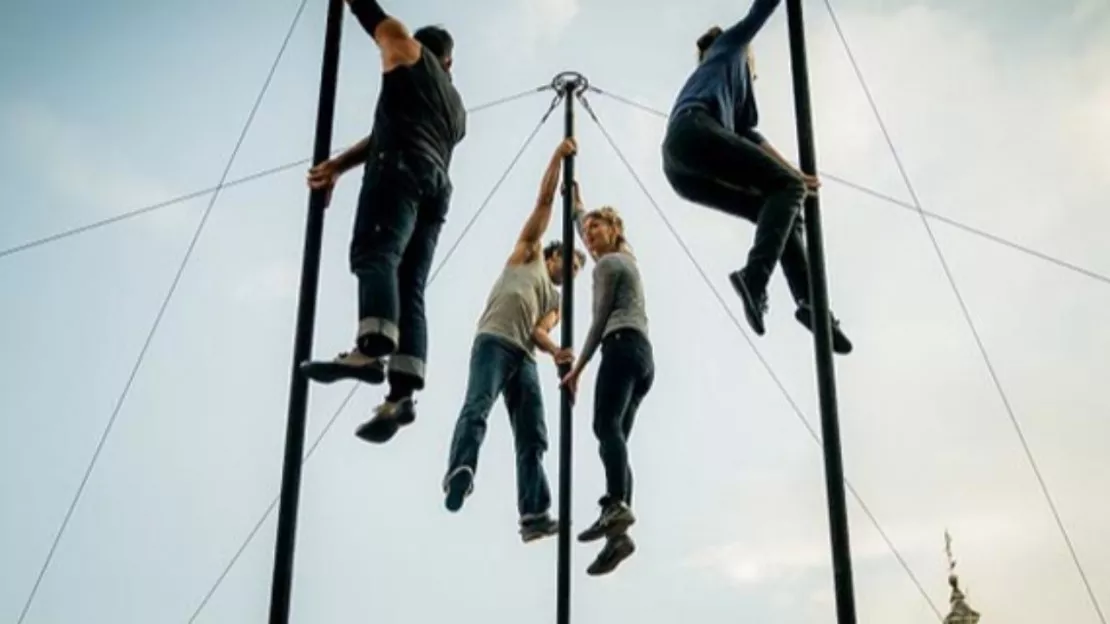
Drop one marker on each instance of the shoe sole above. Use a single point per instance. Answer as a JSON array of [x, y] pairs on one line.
[[624, 552], [378, 432], [331, 372], [531, 536], [613, 530], [840, 346], [749, 304]]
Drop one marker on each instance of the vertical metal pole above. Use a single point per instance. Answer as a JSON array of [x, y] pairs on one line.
[[306, 320], [819, 299], [566, 430]]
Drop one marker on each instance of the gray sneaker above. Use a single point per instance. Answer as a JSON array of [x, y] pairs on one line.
[[537, 527], [388, 419], [348, 365], [614, 520], [616, 550]]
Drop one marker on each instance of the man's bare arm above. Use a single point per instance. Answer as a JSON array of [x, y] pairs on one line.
[[541, 333], [393, 38], [353, 156], [528, 243]]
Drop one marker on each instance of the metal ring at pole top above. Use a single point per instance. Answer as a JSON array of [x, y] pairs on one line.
[[570, 81]]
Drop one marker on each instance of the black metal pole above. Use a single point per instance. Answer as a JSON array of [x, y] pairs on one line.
[[281, 590], [819, 299], [568, 83]]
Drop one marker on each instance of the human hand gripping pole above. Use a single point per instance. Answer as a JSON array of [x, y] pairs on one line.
[[570, 381]]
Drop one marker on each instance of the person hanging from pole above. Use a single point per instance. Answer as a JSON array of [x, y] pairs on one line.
[[521, 310], [624, 377], [406, 192], [714, 156]]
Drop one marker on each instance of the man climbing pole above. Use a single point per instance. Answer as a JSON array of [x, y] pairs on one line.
[[405, 196], [624, 377], [522, 308], [714, 156]]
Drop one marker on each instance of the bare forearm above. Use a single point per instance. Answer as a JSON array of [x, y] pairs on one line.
[[543, 341], [550, 181], [354, 155]]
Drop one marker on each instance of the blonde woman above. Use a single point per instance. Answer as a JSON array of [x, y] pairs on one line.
[[624, 377]]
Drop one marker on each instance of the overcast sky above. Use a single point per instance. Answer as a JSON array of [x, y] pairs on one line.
[[1000, 111]]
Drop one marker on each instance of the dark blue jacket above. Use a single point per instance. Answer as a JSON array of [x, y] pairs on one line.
[[722, 85]]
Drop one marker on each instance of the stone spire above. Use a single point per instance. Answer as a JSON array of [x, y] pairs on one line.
[[960, 612]]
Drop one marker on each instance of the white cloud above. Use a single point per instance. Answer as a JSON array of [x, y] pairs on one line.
[[551, 17], [1085, 10], [527, 26], [276, 281], [81, 166]]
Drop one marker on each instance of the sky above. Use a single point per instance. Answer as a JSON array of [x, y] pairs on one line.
[[1000, 112]]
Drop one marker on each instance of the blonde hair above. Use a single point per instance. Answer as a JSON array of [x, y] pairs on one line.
[[609, 215]]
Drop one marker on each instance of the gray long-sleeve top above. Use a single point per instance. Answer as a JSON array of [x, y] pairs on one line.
[[618, 298]]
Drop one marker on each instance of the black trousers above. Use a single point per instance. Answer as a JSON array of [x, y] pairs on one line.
[[402, 207], [708, 165], [624, 378]]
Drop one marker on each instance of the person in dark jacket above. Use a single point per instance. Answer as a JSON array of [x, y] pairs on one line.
[[714, 156]]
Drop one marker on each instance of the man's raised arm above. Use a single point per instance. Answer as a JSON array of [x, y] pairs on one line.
[[741, 33], [394, 40], [528, 243]]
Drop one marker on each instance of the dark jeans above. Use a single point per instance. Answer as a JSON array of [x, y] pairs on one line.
[[624, 378], [499, 367], [711, 166], [401, 209]]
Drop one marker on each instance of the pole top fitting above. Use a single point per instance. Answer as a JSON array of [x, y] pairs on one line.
[[570, 82]]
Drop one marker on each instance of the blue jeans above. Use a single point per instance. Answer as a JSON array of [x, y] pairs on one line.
[[499, 367], [401, 209]]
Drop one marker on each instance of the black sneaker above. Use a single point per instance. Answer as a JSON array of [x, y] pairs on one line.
[[538, 527], [755, 303], [615, 519], [457, 485], [352, 365], [388, 419], [616, 550], [841, 344]]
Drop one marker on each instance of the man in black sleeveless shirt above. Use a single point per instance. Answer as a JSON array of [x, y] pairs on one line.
[[403, 203]]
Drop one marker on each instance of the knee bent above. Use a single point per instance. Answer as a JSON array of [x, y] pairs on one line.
[[791, 185], [365, 257]]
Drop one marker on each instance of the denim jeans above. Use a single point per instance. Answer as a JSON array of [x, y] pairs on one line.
[[711, 166], [401, 209], [624, 378], [498, 367]]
